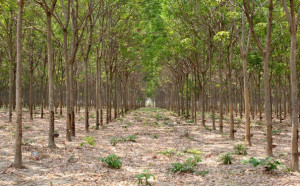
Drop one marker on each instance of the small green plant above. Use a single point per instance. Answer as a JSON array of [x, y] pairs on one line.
[[28, 142], [114, 141], [132, 138], [159, 117], [169, 152], [26, 127], [92, 116], [193, 151], [268, 163], [146, 123], [155, 136], [208, 128], [138, 119], [112, 161], [239, 121], [145, 176], [88, 140], [240, 149], [225, 158], [187, 167], [276, 132], [10, 128], [201, 173], [189, 121]]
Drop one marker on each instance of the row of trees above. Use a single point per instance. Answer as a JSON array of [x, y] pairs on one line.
[[233, 57], [227, 56], [73, 54]]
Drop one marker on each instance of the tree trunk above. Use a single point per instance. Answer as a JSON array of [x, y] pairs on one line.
[[293, 22], [221, 92], [51, 143], [67, 81], [86, 96], [18, 126]]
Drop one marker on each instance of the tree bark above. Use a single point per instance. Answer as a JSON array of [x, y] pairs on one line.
[[293, 23], [18, 126], [51, 143]]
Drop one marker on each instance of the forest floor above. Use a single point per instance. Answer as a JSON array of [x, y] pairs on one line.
[[162, 139]]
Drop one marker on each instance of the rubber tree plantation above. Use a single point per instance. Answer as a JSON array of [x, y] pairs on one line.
[[149, 92]]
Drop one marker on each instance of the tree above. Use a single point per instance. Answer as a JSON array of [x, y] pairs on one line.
[[49, 12], [266, 52], [293, 21], [18, 125]]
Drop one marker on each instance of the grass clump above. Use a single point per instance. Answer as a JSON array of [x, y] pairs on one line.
[[159, 117], [112, 161], [240, 149], [144, 177], [155, 136], [187, 167], [115, 140], [225, 158], [193, 151], [132, 138], [201, 173], [138, 119], [26, 127]]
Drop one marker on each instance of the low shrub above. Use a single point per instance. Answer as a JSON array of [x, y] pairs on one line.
[[112, 161], [225, 158], [268, 163], [88, 140], [144, 177], [187, 167], [240, 149]]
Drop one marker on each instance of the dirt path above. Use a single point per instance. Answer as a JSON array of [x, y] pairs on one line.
[[162, 139]]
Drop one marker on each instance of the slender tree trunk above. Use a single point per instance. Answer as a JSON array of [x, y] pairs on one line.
[[293, 22], [86, 96], [247, 101], [30, 85], [221, 92], [231, 120], [51, 143], [18, 126], [67, 81], [97, 90], [115, 106], [203, 103]]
